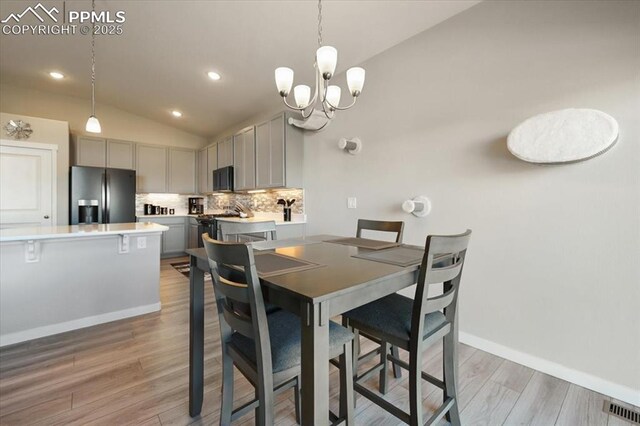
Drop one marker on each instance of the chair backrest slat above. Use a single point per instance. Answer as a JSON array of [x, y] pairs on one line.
[[444, 273], [233, 290], [382, 226], [238, 322], [439, 302], [233, 229]]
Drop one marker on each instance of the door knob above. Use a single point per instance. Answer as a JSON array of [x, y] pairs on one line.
[[46, 216]]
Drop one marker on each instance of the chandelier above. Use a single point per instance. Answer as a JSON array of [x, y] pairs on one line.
[[93, 125], [326, 98]]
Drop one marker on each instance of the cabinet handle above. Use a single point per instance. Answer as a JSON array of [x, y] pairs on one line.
[[46, 216]]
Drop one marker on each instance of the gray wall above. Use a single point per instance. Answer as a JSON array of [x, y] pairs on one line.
[[553, 269]]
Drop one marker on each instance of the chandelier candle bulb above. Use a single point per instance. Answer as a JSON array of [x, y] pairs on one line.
[[302, 94], [355, 80], [333, 96], [284, 80], [327, 59]]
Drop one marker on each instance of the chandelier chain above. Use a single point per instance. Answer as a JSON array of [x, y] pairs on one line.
[[319, 23]]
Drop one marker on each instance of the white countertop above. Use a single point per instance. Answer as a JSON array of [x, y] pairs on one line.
[[296, 219], [78, 231]]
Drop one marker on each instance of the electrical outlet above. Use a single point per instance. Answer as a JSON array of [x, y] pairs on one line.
[[352, 202], [142, 242]]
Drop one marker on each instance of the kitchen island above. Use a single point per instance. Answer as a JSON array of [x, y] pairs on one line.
[[61, 278]]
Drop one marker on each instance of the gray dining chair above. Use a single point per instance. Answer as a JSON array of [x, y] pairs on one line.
[[382, 226], [414, 325], [264, 348], [232, 230], [395, 227]]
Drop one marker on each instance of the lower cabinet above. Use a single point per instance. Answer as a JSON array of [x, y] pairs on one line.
[[174, 240], [193, 239]]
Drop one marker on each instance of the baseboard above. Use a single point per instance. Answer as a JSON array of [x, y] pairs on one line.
[[49, 330], [597, 384]]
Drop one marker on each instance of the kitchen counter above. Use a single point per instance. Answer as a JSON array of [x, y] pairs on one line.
[[296, 219], [78, 231]]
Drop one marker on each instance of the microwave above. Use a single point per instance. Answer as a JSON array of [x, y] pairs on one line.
[[223, 179]]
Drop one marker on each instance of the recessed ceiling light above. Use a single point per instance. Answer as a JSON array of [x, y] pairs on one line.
[[213, 75], [57, 75], [176, 113]]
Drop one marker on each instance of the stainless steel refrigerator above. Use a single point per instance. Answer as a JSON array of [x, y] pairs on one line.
[[100, 195]]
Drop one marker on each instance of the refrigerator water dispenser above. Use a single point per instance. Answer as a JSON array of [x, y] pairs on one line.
[[88, 211]]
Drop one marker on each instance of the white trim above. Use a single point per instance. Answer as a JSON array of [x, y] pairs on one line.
[[48, 330], [25, 144], [580, 378]]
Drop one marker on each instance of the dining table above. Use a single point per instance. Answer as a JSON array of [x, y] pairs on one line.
[[340, 281]]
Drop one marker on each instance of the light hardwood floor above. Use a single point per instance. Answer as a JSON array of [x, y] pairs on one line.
[[136, 372]]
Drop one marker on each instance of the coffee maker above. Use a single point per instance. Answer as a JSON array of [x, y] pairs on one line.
[[196, 205]]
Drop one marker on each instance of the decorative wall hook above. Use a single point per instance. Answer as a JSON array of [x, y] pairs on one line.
[[419, 206], [352, 146]]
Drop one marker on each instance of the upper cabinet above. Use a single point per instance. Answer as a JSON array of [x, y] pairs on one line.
[[202, 171], [244, 160], [279, 154], [212, 164], [151, 168], [96, 152], [182, 171], [120, 154], [225, 153], [90, 151]]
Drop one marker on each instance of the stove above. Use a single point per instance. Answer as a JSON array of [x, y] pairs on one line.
[[208, 223]]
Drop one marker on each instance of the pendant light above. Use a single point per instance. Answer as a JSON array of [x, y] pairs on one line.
[[93, 125], [326, 95]]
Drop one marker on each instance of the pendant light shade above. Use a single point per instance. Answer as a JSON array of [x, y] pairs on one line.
[[327, 59], [93, 125], [284, 80], [302, 94], [355, 80], [333, 96]]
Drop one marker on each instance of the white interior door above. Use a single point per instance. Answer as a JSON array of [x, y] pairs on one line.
[[26, 187]]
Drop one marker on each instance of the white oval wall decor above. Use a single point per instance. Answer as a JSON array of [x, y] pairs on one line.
[[563, 136]]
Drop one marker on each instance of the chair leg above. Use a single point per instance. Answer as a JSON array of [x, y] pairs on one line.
[[347, 396], [264, 411], [227, 390], [296, 399], [450, 374], [397, 371], [415, 388], [384, 351]]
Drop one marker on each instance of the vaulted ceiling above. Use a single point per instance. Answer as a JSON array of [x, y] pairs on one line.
[[159, 62]]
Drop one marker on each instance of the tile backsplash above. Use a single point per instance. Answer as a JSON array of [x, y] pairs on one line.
[[260, 202]]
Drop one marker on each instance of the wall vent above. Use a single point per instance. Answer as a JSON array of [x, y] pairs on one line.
[[621, 412]]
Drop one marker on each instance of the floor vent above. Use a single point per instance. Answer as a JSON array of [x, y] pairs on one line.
[[621, 412]]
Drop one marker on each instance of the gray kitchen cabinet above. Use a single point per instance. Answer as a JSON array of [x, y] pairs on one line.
[[174, 240], [244, 159], [203, 171], [120, 154], [225, 153], [279, 154], [97, 152], [212, 164], [182, 171], [90, 151], [151, 168], [194, 237], [292, 230]]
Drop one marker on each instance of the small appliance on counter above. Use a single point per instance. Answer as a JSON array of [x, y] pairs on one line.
[[149, 209], [196, 205]]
